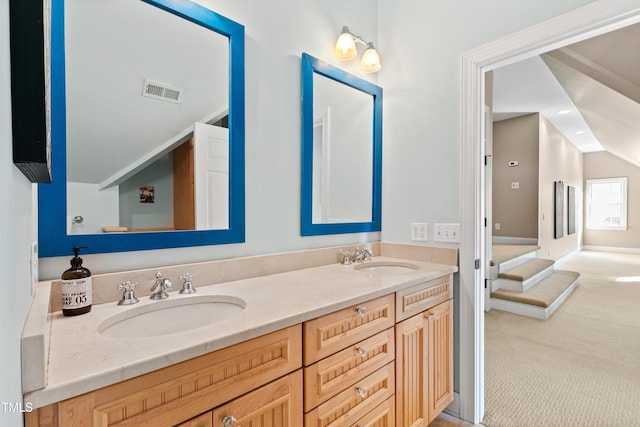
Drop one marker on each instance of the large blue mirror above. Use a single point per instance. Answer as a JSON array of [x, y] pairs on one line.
[[147, 127], [341, 151]]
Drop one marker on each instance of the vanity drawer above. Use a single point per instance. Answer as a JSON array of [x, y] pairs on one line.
[[349, 406], [333, 374], [383, 415], [423, 296], [333, 332]]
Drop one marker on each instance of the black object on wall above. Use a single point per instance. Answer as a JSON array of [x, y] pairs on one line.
[[31, 145], [558, 209], [571, 209]]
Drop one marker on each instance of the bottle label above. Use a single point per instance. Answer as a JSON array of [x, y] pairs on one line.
[[76, 293]]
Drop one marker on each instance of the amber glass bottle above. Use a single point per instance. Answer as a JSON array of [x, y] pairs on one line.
[[76, 287]]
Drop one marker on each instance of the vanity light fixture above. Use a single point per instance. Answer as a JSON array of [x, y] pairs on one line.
[[346, 49]]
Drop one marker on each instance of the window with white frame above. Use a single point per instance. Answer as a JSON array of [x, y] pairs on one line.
[[606, 203]]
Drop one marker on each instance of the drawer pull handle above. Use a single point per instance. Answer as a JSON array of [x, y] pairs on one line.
[[362, 352], [228, 421], [361, 311], [362, 392]]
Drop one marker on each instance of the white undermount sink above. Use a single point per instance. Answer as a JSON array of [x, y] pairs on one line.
[[385, 267], [170, 316]]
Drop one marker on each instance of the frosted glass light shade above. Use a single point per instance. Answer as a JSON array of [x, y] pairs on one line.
[[370, 60], [345, 45]]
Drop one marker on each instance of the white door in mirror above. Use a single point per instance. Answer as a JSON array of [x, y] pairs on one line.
[[211, 164]]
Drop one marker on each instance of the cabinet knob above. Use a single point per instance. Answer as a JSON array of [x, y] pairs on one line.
[[362, 392], [361, 311], [228, 421], [362, 352]]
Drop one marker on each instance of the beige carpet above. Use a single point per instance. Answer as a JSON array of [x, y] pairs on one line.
[[580, 367], [503, 252], [526, 270]]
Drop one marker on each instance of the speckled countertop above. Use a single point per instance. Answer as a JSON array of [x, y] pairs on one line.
[[80, 359]]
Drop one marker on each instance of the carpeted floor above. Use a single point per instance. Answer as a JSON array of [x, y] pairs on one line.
[[580, 367]]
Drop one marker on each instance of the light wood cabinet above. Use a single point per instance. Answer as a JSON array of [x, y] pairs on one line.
[[382, 416], [330, 333], [170, 396], [356, 401], [204, 420], [383, 363], [424, 365], [277, 404]]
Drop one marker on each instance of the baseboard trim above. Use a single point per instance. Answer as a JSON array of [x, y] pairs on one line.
[[514, 240], [454, 407], [567, 257], [610, 249]]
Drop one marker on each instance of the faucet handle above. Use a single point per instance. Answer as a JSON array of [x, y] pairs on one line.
[[346, 257], [128, 296], [368, 253], [187, 285]]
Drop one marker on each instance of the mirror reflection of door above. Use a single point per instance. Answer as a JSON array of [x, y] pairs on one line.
[[211, 152], [131, 100], [343, 152]]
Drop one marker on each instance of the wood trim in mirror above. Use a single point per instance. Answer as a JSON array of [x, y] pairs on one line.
[[52, 198], [311, 65]]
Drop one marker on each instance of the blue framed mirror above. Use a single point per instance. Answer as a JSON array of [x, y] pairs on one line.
[[341, 151], [106, 154]]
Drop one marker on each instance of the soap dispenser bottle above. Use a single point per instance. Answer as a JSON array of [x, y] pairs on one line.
[[76, 287]]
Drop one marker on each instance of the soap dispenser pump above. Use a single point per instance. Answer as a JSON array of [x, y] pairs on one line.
[[76, 287]]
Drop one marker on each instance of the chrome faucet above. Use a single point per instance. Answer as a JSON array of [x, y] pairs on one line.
[[362, 255], [160, 286], [358, 256]]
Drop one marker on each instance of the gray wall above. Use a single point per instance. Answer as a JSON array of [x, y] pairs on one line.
[[134, 214], [606, 165], [516, 210]]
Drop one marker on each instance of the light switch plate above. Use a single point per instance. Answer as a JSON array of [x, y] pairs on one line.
[[449, 232]]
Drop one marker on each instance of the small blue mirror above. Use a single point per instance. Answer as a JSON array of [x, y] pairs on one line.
[[341, 151]]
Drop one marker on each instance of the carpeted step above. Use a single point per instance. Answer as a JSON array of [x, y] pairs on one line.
[[504, 253], [526, 270], [544, 293]]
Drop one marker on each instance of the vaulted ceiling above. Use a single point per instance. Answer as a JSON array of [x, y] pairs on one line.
[[594, 83]]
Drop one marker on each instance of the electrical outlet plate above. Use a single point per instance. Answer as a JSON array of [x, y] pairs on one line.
[[33, 261], [419, 231], [448, 233]]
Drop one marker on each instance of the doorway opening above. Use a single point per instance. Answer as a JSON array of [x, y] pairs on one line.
[[591, 20]]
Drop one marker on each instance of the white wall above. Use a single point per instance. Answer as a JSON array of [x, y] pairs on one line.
[[97, 208], [16, 217], [559, 161], [421, 43]]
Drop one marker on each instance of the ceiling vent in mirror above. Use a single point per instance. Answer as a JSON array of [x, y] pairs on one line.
[[165, 92]]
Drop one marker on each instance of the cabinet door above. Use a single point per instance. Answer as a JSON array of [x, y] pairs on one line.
[[440, 321], [204, 420], [412, 350], [278, 404]]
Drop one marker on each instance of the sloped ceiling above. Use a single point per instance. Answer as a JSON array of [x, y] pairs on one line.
[[602, 77], [597, 79], [110, 49]]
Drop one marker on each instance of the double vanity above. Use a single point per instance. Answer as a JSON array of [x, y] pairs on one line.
[[325, 345]]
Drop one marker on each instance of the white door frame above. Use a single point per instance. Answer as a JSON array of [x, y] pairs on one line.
[[591, 20]]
